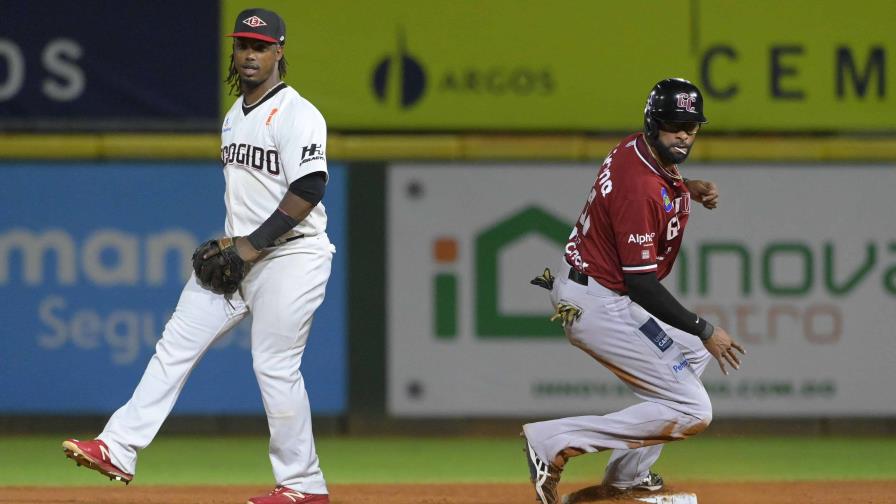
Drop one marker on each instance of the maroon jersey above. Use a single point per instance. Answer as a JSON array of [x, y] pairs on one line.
[[634, 219]]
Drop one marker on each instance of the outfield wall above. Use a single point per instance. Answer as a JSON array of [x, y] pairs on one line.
[[579, 65], [449, 66], [447, 120], [93, 257], [99, 65], [429, 313], [798, 263]]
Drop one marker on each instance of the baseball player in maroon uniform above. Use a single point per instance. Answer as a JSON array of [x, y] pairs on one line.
[[610, 301]]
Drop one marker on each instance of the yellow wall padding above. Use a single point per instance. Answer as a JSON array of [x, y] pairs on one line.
[[462, 146]]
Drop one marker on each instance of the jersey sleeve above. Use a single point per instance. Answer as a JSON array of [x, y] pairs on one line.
[[636, 225], [302, 141]]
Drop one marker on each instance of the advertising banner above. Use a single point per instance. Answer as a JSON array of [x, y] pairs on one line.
[[798, 263], [579, 65], [93, 258], [95, 64]]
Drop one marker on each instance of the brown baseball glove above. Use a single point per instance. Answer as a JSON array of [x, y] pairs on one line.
[[218, 266]]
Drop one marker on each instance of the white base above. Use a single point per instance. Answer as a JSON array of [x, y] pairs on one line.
[[678, 498]]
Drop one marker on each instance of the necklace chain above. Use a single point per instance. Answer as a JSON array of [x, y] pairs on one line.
[[673, 175], [262, 96]]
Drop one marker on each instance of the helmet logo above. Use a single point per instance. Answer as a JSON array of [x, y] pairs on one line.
[[255, 22], [685, 101]]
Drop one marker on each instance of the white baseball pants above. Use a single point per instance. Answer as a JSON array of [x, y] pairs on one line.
[[660, 364], [282, 291]]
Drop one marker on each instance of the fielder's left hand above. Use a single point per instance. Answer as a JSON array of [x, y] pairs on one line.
[[218, 266], [704, 192]]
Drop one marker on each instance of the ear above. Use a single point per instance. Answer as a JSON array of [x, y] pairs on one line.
[[279, 52]]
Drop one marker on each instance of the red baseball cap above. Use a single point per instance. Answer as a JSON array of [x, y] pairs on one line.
[[260, 24]]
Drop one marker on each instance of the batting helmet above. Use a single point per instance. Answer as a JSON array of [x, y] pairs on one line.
[[673, 100]]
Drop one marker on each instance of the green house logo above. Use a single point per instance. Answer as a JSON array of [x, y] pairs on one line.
[[490, 322]]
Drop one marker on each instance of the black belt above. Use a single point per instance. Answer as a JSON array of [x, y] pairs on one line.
[[286, 240], [582, 279], [578, 277]]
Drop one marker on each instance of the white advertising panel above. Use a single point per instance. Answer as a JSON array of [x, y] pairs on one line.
[[798, 263]]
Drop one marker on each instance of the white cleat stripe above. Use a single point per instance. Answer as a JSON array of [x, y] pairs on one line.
[[540, 475]]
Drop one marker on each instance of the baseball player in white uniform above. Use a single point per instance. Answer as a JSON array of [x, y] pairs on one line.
[[273, 145], [611, 303]]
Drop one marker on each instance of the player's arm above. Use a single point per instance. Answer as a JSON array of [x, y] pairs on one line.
[[301, 138], [635, 243], [639, 221], [646, 290], [303, 195]]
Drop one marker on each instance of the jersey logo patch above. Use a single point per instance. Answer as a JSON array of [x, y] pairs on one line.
[[681, 365], [641, 239], [656, 335], [667, 201], [312, 152]]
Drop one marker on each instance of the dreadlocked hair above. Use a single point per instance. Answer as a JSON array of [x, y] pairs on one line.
[[233, 77]]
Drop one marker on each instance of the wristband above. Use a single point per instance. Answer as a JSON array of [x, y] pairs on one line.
[[268, 232], [707, 330]]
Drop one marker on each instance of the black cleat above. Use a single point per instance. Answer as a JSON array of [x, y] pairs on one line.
[[544, 476]]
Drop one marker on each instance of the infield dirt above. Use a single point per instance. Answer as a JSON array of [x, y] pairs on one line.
[[827, 492]]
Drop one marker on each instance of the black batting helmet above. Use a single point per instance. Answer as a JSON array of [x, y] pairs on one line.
[[673, 100]]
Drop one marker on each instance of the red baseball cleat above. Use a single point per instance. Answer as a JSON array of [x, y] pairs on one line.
[[286, 495], [94, 454]]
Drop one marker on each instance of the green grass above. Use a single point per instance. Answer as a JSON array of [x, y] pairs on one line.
[[172, 460]]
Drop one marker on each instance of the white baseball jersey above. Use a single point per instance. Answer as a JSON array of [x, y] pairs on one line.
[[264, 148]]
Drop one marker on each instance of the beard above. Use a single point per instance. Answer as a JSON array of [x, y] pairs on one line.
[[668, 155], [249, 83]]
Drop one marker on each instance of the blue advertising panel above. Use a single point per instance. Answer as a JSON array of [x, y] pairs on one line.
[[92, 261], [97, 63]]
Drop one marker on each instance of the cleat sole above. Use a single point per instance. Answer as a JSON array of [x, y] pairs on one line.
[[82, 460]]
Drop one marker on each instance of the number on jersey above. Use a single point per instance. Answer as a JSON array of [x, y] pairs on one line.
[[673, 228], [585, 218], [606, 185]]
